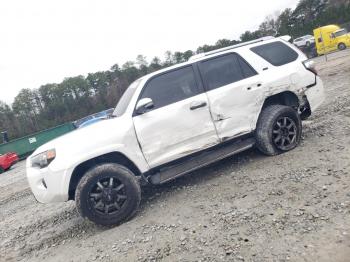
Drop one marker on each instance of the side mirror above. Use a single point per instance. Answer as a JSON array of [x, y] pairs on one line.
[[143, 105]]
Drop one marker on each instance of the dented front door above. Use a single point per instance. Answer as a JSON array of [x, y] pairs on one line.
[[179, 123]]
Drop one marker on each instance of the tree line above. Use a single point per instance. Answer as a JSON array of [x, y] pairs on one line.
[[75, 97]]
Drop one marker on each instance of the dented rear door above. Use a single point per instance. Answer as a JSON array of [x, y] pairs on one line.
[[233, 90]]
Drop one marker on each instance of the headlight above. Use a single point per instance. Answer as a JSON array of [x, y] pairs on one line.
[[43, 159]]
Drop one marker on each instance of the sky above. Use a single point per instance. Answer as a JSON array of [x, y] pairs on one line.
[[45, 41]]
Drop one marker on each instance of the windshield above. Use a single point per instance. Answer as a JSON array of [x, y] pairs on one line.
[[340, 32], [125, 99]]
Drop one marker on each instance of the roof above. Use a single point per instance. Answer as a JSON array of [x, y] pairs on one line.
[[203, 55], [198, 56]]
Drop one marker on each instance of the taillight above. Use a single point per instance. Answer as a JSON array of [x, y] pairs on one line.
[[310, 65]]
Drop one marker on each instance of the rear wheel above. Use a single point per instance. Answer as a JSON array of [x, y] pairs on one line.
[[278, 129], [341, 46], [1, 170], [108, 194]]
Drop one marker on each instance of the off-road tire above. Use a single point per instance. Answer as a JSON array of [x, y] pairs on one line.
[[131, 189], [341, 46], [267, 122]]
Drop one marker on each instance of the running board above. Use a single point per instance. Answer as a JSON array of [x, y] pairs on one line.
[[208, 157]]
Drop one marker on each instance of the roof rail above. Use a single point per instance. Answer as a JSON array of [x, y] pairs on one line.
[[197, 56]]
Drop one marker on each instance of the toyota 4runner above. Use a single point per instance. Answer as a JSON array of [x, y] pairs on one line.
[[179, 119]]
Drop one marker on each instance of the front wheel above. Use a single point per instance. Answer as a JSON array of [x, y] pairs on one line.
[[278, 129], [108, 194]]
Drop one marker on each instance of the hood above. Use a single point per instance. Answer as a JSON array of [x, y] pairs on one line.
[[87, 138]]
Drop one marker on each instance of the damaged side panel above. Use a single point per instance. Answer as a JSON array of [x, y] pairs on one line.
[[174, 131], [234, 106]]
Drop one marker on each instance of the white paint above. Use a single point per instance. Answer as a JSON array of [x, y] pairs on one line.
[[315, 95], [173, 131]]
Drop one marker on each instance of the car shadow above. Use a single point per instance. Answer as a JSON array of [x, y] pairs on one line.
[[152, 193]]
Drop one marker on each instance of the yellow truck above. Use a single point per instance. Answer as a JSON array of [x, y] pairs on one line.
[[330, 38]]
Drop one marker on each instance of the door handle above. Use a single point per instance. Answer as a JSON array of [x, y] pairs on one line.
[[197, 104]]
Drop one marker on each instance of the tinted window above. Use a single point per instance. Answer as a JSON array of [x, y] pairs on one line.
[[171, 87], [221, 71], [224, 70], [276, 53], [247, 70]]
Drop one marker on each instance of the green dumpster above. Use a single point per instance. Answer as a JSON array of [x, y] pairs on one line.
[[24, 146]]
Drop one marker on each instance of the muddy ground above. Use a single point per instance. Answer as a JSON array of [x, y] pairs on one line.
[[292, 207]]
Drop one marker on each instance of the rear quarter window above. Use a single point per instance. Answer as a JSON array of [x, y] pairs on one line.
[[276, 53]]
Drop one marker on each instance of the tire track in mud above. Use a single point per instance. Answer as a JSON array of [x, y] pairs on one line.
[[47, 232], [67, 231], [16, 203], [15, 197]]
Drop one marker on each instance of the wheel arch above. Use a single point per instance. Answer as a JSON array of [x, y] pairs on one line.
[[112, 157], [287, 98]]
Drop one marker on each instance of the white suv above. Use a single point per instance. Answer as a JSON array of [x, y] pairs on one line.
[[305, 40], [176, 120]]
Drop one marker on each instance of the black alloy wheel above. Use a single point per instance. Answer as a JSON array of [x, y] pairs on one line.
[[108, 196], [278, 129], [284, 133]]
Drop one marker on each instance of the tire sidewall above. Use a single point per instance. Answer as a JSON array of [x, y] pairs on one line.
[[131, 187]]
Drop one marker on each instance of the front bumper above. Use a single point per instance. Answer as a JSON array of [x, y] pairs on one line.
[[47, 185]]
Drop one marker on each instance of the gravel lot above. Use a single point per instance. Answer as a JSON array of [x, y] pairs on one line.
[[292, 207]]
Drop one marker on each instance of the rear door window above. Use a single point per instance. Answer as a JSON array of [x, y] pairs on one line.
[[247, 70], [276, 53], [224, 70]]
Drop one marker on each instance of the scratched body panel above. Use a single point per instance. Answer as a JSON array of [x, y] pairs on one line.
[[234, 106], [173, 131]]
